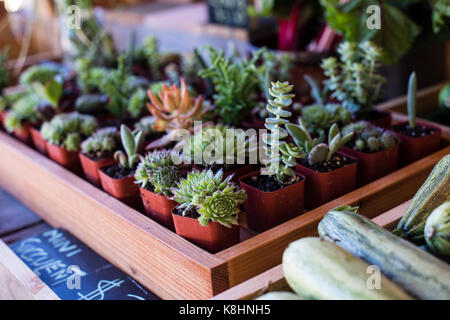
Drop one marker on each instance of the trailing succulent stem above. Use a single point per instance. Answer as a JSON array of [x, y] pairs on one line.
[[215, 199], [369, 138], [412, 92], [158, 170], [318, 153], [280, 165], [131, 142]]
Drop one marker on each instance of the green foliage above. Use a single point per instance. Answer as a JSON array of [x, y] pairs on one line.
[[318, 153], [158, 170], [4, 72], [441, 14], [131, 142], [101, 144], [280, 165], [149, 52], [68, 130], [22, 110], [235, 85], [91, 103], [40, 73], [319, 118], [146, 126], [215, 199], [369, 138], [397, 32], [50, 91], [412, 93], [137, 103], [353, 80]]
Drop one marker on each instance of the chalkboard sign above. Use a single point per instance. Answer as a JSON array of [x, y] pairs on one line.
[[74, 271], [231, 13]]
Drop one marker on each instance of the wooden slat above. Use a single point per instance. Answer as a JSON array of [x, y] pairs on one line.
[[165, 263], [18, 282], [29, 231], [251, 257], [390, 218]]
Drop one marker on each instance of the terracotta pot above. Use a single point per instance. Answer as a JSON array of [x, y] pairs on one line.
[[3, 115], [158, 207], [23, 134], [213, 238], [90, 168], [239, 172], [39, 143], [372, 166], [265, 210], [123, 189], [322, 187], [412, 149], [67, 159]]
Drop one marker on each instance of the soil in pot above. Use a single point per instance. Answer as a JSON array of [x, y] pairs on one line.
[[328, 180], [374, 165], [67, 159], [39, 143], [213, 238], [158, 207], [417, 143], [378, 118], [120, 183], [91, 165], [270, 203]]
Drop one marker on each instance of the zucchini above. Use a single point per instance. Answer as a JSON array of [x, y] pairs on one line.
[[433, 192], [437, 230], [279, 295], [418, 272], [318, 269]]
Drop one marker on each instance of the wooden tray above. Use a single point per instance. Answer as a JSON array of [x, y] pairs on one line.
[[165, 263], [273, 279]]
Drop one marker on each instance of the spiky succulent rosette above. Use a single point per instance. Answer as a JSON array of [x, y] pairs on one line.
[[215, 199]]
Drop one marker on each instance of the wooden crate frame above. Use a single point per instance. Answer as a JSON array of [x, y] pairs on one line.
[[273, 279], [165, 263]]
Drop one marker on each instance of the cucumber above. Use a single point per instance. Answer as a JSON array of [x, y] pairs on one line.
[[279, 295], [437, 230], [418, 272], [433, 192], [318, 269]]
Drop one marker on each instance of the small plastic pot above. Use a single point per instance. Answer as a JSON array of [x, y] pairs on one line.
[[265, 210], [322, 187], [23, 134], [213, 238], [67, 159], [123, 189], [158, 207], [3, 115], [39, 143], [372, 166], [413, 149], [90, 168]]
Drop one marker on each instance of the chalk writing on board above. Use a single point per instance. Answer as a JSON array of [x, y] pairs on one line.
[[228, 12]]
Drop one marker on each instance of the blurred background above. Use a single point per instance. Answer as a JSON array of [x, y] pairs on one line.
[[415, 34]]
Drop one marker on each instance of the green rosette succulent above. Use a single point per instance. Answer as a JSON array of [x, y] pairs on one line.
[[369, 138], [215, 199], [23, 110], [101, 144]]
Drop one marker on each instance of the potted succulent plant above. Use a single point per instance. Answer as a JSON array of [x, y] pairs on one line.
[[213, 141], [64, 134], [208, 210], [418, 139], [277, 195], [375, 148], [146, 124], [118, 179], [97, 151], [328, 174], [353, 80], [156, 174]]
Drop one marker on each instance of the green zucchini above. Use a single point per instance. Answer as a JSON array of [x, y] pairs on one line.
[[437, 230], [418, 272], [318, 269], [433, 192], [279, 295]]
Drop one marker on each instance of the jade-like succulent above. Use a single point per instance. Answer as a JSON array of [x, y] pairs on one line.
[[22, 110], [280, 163], [101, 144], [318, 153], [369, 138], [412, 91], [68, 130], [353, 80], [158, 170], [215, 199], [131, 142]]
